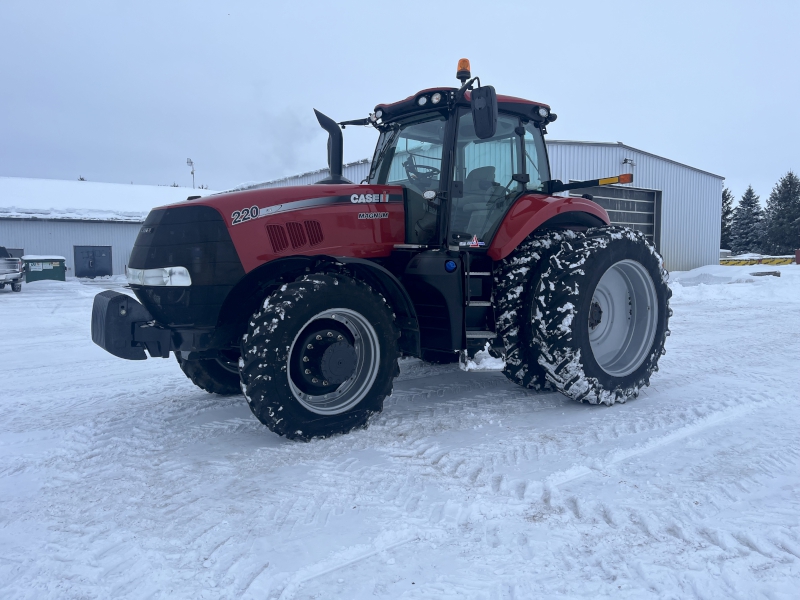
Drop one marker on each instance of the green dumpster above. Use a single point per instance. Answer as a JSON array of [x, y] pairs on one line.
[[44, 267]]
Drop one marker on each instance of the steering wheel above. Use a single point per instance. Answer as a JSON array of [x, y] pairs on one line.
[[417, 172]]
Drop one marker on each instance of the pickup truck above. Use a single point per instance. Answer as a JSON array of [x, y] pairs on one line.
[[12, 271]]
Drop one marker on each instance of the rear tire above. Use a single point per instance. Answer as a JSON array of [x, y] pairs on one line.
[[320, 356], [600, 315], [16, 287], [515, 281], [212, 376]]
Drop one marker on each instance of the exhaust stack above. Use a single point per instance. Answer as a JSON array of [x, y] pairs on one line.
[[335, 149]]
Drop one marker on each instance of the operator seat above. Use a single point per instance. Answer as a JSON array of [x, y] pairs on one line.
[[472, 209]]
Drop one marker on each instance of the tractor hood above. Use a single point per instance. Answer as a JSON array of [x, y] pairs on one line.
[[362, 221], [239, 207]]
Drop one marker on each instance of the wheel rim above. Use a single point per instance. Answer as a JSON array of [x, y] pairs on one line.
[[333, 361], [623, 317]]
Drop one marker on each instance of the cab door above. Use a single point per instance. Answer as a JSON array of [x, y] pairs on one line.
[[414, 161], [489, 175]]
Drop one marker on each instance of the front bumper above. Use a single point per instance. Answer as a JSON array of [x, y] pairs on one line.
[[124, 328]]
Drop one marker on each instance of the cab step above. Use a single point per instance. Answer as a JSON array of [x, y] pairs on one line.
[[481, 335]]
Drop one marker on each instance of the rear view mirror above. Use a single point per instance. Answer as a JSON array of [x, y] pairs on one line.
[[484, 111]]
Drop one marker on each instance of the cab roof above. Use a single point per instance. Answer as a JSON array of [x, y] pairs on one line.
[[410, 105]]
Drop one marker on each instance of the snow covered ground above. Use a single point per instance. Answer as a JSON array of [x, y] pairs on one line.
[[122, 480]]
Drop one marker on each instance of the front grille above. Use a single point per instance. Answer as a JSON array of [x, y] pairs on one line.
[[194, 237]]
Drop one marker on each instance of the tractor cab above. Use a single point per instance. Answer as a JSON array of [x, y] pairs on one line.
[[460, 177]]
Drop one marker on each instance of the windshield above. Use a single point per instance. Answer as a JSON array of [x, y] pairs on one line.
[[410, 155]]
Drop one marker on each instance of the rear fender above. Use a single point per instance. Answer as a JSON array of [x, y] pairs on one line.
[[537, 210]]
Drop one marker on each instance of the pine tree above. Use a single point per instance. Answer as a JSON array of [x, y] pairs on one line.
[[783, 216], [727, 218], [747, 230]]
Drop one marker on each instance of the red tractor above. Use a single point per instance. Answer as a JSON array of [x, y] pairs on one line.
[[303, 298]]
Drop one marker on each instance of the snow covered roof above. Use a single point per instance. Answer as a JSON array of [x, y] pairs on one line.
[[71, 214], [64, 199]]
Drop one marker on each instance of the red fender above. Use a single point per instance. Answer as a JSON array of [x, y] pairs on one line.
[[530, 212]]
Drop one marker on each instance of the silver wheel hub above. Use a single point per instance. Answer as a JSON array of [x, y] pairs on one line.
[[623, 318], [333, 361]]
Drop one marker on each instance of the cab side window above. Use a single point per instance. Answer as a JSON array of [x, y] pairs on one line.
[[484, 170]]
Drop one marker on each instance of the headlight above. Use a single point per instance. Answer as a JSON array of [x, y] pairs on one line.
[[436, 98], [422, 101], [378, 114], [543, 112], [165, 276]]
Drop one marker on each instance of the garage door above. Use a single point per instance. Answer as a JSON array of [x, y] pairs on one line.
[[628, 207], [92, 261]]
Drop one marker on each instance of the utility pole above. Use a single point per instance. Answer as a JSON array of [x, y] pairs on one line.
[[191, 164]]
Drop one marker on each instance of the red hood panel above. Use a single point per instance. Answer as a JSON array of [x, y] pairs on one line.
[[362, 221]]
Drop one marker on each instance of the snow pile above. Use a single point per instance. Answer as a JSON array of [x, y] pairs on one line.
[[723, 275], [483, 361], [752, 255]]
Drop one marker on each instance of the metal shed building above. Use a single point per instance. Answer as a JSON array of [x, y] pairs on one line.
[[92, 247], [93, 225], [677, 206]]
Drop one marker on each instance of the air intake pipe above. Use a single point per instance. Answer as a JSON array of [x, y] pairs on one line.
[[335, 149]]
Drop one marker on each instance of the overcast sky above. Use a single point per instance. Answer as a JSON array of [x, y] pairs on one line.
[[125, 92]]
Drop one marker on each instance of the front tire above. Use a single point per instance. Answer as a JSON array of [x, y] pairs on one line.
[[320, 356], [600, 314], [212, 375]]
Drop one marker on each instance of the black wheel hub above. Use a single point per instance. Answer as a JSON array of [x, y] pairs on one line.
[[323, 358], [338, 362], [595, 315]]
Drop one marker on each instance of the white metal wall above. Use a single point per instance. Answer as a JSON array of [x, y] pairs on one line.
[[355, 172], [691, 200], [59, 236]]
